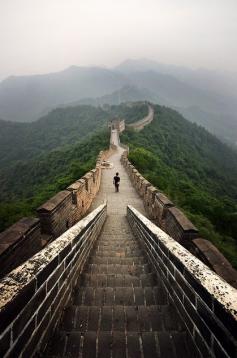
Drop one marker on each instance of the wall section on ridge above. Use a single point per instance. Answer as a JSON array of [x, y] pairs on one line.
[[26, 237], [173, 221]]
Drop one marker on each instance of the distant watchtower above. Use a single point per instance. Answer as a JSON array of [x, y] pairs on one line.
[[117, 123]]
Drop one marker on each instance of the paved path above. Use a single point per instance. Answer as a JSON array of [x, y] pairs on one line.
[[117, 202], [120, 309], [139, 125]]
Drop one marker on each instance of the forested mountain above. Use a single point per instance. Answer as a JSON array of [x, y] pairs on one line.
[[190, 165], [205, 97], [61, 127], [195, 170], [64, 126], [40, 158], [27, 184]]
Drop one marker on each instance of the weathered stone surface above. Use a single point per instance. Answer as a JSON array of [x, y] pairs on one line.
[[54, 202], [118, 296], [121, 304], [18, 243], [175, 223], [195, 289], [29, 235], [33, 295], [210, 255]]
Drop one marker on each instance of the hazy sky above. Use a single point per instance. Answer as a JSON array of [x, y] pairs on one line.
[[38, 36]]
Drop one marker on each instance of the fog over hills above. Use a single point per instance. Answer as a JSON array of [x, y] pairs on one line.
[[25, 98], [224, 83], [206, 97]]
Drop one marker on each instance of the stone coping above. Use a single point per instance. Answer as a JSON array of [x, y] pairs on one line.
[[217, 287], [18, 230], [75, 186], [182, 219], [13, 283], [52, 203], [163, 199]]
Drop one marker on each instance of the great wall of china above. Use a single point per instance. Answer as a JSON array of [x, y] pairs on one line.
[[43, 262]]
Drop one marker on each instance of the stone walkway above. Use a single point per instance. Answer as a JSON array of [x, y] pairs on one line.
[[120, 308]]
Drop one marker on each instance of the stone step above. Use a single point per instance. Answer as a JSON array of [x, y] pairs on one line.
[[106, 344], [109, 296], [117, 230], [115, 244], [117, 269], [121, 318], [116, 235], [122, 252], [128, 247], [139, 260], [118, 280]]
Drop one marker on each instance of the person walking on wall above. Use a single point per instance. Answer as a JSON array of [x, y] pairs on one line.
[[116, 182]]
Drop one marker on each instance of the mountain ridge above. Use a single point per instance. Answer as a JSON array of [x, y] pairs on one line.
[[26, 98]]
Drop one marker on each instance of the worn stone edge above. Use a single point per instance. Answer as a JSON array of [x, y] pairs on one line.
[[224, 293], [16, 280]]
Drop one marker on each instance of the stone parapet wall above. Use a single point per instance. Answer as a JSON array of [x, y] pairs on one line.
[[118, 124], [29, 235], [18, 242], [206, 303], [54, 214], [139, 125], [173, 221], [33, 295], [212, 257]]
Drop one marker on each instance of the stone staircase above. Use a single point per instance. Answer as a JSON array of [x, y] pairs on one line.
[[119, 308]]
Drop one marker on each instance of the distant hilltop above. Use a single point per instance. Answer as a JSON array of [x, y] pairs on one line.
[[204, 97]]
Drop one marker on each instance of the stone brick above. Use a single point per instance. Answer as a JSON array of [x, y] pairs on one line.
[[105, 344], [16, 305], [18, 243], [178, 226], [46, 304], [106, 318], [54, 278], [54, 215], [119, 345], [22, 340], [89, 346], [28, 312], [118, 318], [43, 275], [149, 345], [5, 342], [166, 345], [133, 345]]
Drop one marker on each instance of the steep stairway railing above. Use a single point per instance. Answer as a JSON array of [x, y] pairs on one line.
[[119, 309], [33, 295], [206, 303]]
